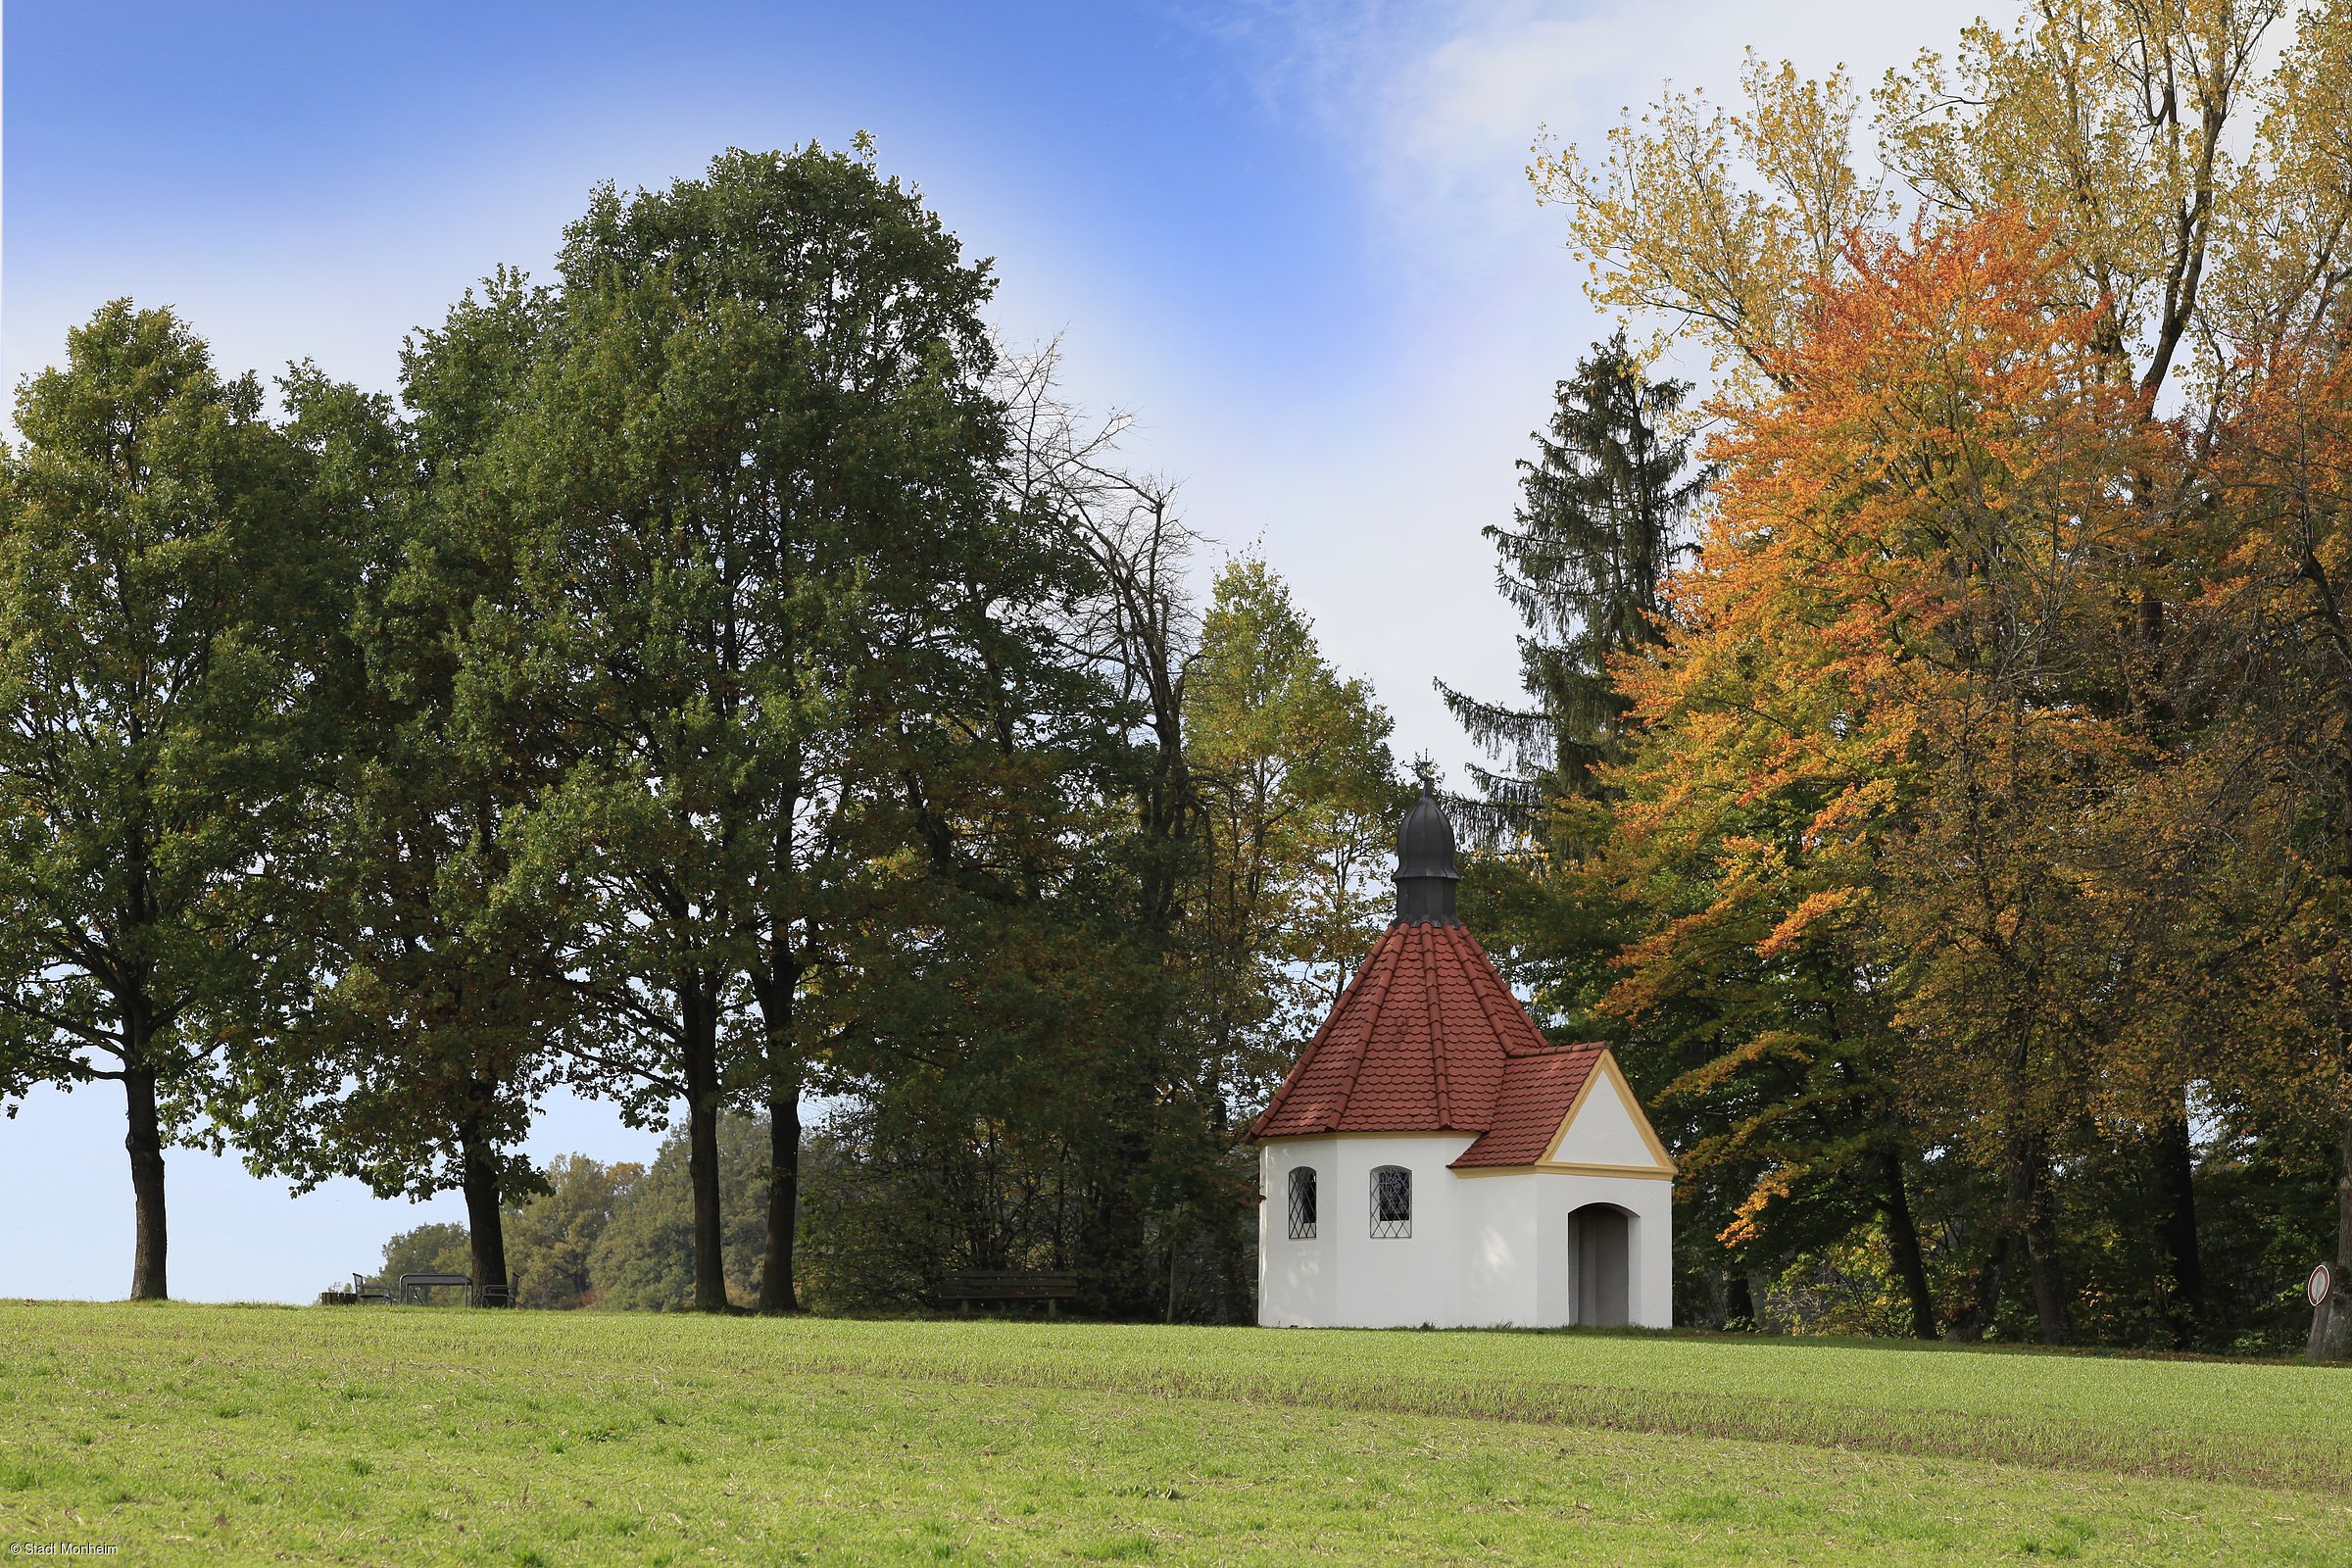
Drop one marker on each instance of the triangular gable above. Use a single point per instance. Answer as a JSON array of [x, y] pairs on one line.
[[1568, 1108], [1604, 1132]]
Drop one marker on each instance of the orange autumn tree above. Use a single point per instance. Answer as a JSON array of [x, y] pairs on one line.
[[1886, 827], [2273, 631]]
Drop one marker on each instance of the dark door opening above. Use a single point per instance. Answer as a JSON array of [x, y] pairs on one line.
[[1600, 1253]]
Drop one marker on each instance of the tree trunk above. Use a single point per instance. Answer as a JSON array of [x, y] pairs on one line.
[[1992, 1277], [2046, 1266], [777, 1293], [2176, 1174], [1228, 1237], [1902, 1240], [485, 1223], [145, 1142], [1115, 1266], [1233, 1277], [700, 1024], [2331, 1320], [1739, 1304], [774, 990], [2332, 1323]]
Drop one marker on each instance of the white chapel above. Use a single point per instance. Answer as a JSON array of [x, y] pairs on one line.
[[1432, 1159]]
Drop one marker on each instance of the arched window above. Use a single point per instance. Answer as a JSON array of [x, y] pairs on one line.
[[1392, 1201], [1303, 1204]]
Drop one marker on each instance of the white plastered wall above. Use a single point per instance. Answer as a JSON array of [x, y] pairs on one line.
[[1297, 1281], [1604, 1131], [1649, 1279], [1486, 1251], [1345, 1278]]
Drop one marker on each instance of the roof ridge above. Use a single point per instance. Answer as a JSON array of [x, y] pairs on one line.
[[1486, 1002], [1553, 1047], [1459, 939], [1437, 1026], [1539, 1089]]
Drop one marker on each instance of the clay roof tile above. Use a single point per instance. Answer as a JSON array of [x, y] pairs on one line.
[[1428, 1038]]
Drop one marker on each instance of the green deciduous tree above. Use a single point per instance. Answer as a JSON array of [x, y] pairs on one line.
[[648, 1256], [166, 589], [1297, 794], [1010, 1006], [1103, 972], [754, 467], [438, 1247], [552, 1236], [418, 1061]]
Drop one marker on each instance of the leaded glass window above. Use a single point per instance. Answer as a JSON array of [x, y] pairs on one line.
[[1392, 1201], [1303, 1204]]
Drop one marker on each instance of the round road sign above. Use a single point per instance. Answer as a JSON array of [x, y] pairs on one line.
[[2321, 1284]]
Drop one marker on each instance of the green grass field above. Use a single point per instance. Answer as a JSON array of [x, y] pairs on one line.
[[373, 1435]]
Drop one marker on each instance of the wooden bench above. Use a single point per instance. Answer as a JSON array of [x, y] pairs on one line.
[[1005, 1288], [414, 1286], [362, 1289], [411, 1286]]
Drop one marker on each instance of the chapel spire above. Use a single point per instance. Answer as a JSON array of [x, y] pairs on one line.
[[1425, 873]]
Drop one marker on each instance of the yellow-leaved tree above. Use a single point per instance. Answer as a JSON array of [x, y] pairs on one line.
[[1970, 772], [2190, 159]]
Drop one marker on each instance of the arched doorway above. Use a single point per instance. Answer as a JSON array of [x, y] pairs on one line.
[[1601, 1264]]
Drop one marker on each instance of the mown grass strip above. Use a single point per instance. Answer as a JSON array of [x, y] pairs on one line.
[[2264, 1426], [202, 1434], [2041, 1443]]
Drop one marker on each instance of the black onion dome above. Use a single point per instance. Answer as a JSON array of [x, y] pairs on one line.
[[1425, 873]]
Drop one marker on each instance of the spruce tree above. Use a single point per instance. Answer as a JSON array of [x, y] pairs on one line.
[[1602, 507]]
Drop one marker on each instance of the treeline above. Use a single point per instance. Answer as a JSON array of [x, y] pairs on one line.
[[722, 676], [1949, 817], [621, 1237]]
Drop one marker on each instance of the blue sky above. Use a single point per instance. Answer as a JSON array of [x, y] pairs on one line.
[[1295, 240]]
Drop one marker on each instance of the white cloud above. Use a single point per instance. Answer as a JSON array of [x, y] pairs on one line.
[[1435, 108]]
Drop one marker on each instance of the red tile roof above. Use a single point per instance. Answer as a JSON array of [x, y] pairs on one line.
[[1427, 1038], [1536, 1090]]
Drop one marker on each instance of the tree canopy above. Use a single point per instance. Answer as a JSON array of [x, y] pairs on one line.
[[1960, 878]]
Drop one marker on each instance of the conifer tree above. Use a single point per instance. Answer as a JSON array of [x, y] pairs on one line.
[[1604, 505]]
